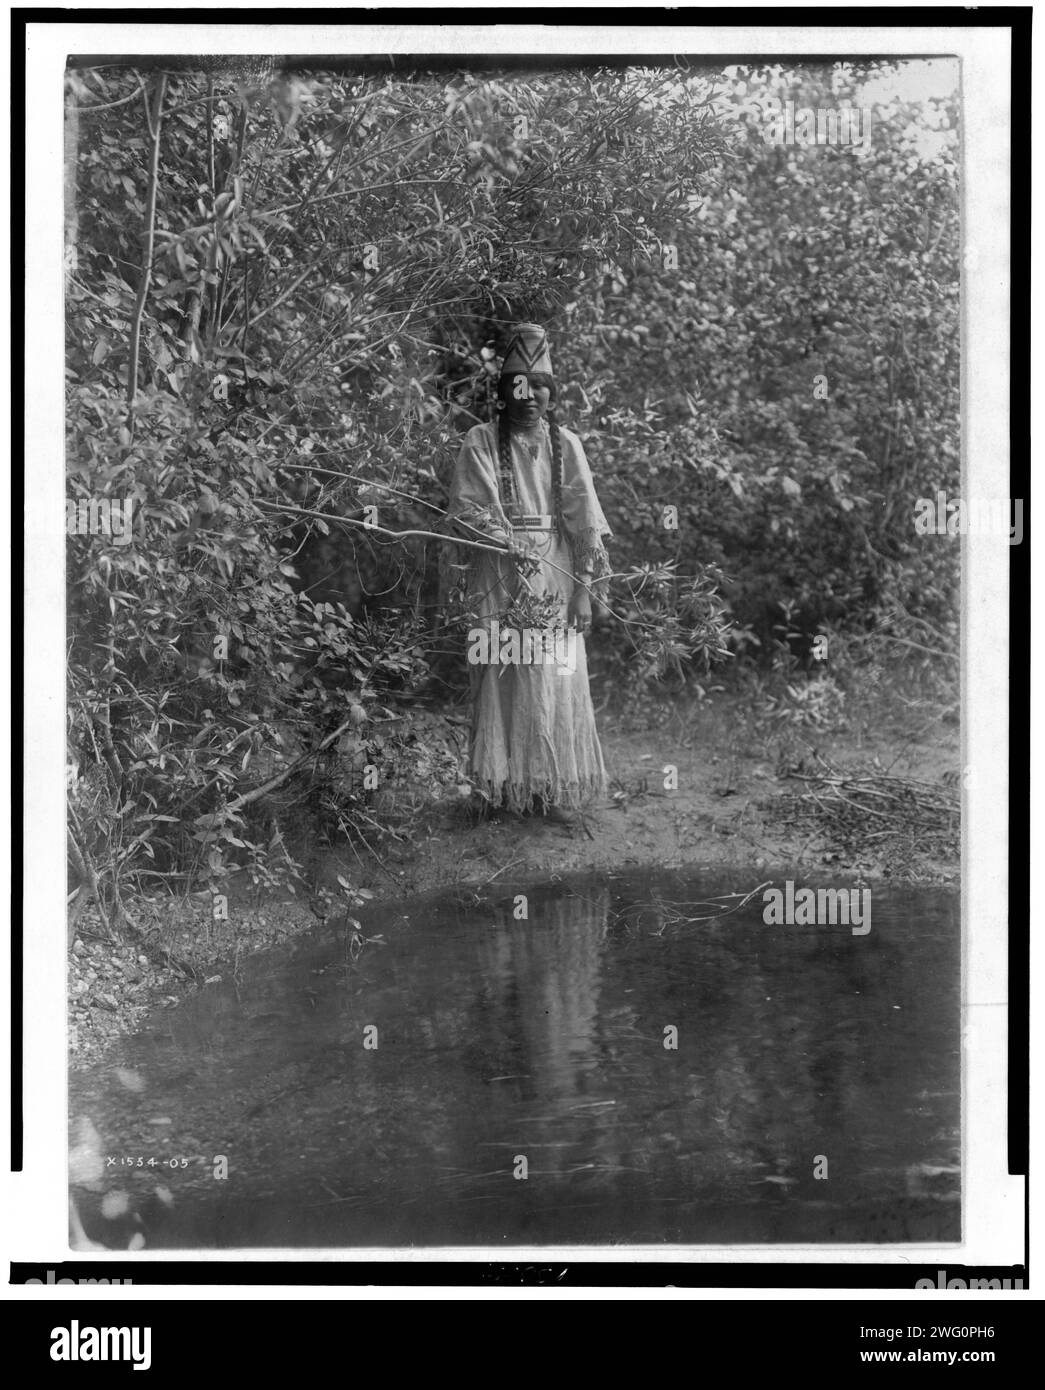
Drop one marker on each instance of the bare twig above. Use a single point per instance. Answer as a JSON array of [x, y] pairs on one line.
[[288, 771], [108, 105], [154, 117]]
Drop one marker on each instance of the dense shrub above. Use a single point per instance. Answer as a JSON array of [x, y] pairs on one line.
[[285, 296]]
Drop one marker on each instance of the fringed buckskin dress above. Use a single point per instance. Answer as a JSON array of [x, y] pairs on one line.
[[534, 743]]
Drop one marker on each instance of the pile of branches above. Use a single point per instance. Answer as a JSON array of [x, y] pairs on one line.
[[871, 809]]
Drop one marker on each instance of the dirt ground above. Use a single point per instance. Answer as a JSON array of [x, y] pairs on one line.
[[736, 762], [740, 767]]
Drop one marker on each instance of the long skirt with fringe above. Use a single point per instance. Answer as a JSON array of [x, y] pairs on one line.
[[533, 725]]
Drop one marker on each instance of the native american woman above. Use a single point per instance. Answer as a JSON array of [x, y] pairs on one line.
[[523, 482]]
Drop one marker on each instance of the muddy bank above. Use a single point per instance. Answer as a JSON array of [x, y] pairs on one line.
[[716, 783]]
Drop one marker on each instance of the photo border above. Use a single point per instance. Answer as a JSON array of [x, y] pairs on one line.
[[995, 1199]]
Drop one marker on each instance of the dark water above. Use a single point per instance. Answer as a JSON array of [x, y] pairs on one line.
[[500, 1039]]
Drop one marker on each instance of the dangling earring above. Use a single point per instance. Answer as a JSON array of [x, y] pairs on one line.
[[498, 405]]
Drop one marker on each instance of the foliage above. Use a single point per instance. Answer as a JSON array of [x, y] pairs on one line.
[[802, 265], [327, 250], [334, 259]]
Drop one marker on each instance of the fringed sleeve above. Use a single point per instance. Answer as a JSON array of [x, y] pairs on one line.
[[582, 513], [475, 504], [473, 512]]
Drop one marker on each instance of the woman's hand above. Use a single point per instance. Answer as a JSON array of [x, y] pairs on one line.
[[579, 610], [524, 560]]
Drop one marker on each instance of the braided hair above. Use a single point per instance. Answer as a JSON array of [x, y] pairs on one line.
[[504, 445]]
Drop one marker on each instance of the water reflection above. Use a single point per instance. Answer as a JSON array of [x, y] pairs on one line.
[[501, 1036], [543, 982]]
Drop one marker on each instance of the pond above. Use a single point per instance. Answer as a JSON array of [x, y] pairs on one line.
[[638, 1059]]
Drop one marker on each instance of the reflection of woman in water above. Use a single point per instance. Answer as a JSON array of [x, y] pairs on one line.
[[523, 481], [545, 981]]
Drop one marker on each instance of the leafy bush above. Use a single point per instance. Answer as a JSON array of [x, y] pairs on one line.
[[285, 297]]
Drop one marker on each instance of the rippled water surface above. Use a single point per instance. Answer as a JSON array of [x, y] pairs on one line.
[[499, 1040]]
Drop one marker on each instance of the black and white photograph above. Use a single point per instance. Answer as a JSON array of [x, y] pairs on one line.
[[518, 533]]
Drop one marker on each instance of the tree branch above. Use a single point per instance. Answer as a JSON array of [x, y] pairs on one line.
[[380, 530], [155, 121], [108, 105], [281, 777]]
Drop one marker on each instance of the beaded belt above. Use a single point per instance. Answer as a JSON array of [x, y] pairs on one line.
[[532, 523]]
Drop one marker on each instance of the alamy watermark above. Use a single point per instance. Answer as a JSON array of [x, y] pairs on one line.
[[52, 1278], [977, 516], [527, 646], [76, 1343], [818, 907], [100, 516], [942, 1282], [840, 125]]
